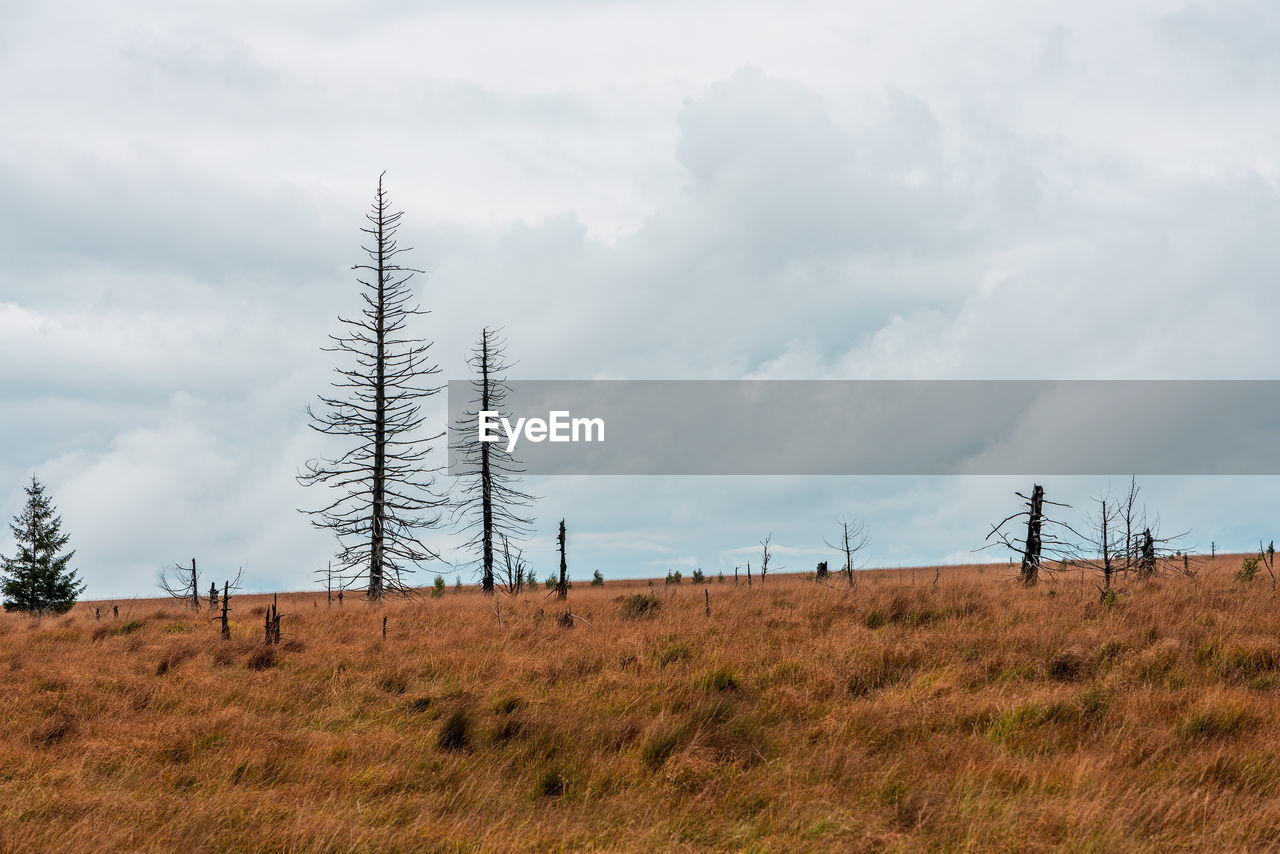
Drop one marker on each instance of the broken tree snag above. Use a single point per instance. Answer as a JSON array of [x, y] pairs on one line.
[[821, 574], [1030, 572], [562, 589], [1147, 555], [226, 604], [707, 594], [213, 596], [384, 627], [273, 622], [1041, 536]]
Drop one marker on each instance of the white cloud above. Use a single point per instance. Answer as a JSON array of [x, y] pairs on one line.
[[659, 191]]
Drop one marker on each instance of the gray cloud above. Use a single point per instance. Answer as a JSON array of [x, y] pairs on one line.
[[633, 192]]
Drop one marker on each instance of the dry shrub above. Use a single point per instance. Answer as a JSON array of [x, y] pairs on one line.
[[877, 671], [552, 783], [1219, 718], [262, 658], [54, 728], [227, 652], [1242, 662], [455, 732], [659, 747], [175, 656], [508, 729], [639, 605], [420, 705], [395, 682], [1067, 666]]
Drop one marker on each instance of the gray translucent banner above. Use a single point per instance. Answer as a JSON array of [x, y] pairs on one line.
[[887, 427]]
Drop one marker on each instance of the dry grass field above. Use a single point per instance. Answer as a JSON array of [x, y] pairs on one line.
[[968, 714]]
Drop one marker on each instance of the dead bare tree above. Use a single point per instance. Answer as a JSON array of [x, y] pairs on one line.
[[1129, 516], [562, 589], [227, 587], [182, 583], [1042, 537], [764, 562], [383, 479], [1101, 542], [853, 539], [1105, 546], [489, 505], [511, 575]]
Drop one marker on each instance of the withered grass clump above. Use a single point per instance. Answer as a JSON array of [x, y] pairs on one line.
[[970, 715]]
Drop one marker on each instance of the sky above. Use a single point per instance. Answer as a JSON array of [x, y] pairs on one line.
[[693, 190]]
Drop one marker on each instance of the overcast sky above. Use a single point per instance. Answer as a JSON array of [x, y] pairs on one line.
[[979, 190]]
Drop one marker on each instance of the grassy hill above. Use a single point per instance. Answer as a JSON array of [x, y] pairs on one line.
[[965, 713]]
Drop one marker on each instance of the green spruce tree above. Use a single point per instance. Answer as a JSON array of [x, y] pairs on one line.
[[36, 578]]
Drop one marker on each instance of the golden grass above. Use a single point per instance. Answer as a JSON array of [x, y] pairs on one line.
[[973, 715]]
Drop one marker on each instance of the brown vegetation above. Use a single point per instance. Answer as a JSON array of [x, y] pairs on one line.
[[921, 710]]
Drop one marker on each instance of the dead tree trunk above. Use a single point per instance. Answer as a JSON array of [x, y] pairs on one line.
[[273, 622], [195, 587], [226, 605], [562, 589], [1147, 555], [1030, 572], [1106, 551], [213, 596]]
